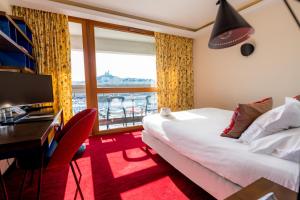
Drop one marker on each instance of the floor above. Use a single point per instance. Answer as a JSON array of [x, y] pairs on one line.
[[113, 167]]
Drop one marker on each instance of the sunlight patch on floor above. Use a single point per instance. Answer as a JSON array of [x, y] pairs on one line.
[[86, 184], [156, 185], [129, 161]]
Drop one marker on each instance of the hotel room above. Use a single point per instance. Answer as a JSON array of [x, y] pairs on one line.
[[137, 99]]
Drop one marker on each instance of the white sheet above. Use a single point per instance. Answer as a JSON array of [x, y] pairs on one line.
[[275, 120], [196, 134], [202, 176], [284, 145]]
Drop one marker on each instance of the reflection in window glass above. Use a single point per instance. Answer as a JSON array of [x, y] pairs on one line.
[[77, 66], [78, 81]]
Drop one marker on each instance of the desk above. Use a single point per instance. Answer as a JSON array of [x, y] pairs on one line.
[[25, 138]]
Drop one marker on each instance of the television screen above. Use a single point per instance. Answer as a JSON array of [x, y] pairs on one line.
[[25, 89]]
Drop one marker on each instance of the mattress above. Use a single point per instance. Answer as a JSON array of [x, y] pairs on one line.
[[203, 177], [196, 135]]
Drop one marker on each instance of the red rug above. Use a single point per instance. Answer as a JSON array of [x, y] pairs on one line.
[[113, 167]]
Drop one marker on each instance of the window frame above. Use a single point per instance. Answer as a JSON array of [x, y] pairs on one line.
[[89, 54]]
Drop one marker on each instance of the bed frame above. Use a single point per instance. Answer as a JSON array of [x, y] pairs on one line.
[[214, 184]]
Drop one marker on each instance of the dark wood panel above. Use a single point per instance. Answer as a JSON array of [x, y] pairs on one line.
[[260, 188], [22, 136], [25, 136]]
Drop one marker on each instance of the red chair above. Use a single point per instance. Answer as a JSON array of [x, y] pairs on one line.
[[68, 141], [74, 133]]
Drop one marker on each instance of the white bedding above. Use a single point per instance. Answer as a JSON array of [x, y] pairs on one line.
[[196, 134]]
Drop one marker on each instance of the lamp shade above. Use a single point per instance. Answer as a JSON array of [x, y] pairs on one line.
[[230, 28]]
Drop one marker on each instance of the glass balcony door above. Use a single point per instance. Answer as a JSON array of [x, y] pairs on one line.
[[113, 70], [126, 78], [77, 68]]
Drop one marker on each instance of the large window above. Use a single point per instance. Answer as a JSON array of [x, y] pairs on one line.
[[78, 72], [121, 76], [124, 61], [125, 70]]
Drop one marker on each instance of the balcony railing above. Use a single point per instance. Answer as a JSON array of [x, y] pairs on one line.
[[117, 110]]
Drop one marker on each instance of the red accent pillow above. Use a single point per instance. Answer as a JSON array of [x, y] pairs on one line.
[[244, 115], [297, 97], [232, 122]]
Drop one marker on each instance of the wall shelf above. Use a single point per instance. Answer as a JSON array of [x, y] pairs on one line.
[[16, 69], [7, 44], [16, 47]]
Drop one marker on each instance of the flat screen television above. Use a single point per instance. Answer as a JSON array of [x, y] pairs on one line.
[[24, 89]]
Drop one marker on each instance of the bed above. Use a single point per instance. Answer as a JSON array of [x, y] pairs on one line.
[[191, 142]]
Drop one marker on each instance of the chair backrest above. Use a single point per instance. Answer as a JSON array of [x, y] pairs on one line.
[[77, 131], [149, 100], [151, 103], [70, 123], [115, 102]]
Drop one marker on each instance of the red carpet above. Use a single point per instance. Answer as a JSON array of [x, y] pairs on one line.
[[113, 167]]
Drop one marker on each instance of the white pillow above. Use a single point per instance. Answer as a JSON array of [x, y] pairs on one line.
[[285, 145], [278, 119]]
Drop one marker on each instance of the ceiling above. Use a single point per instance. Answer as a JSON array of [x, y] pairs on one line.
[[184, 15]]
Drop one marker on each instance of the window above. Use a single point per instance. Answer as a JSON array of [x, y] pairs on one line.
[[77, 68], [121, 74], [124, 60], [125, 70]]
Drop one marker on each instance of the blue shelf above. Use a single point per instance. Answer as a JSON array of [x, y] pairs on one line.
[[16, 48]]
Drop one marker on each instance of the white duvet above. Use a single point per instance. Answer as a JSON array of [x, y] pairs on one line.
[[196, 134]]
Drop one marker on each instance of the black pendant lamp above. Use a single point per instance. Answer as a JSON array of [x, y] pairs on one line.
[[230, 27]]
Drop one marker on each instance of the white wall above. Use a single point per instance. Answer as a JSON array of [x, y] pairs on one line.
[[224, 77], [5, 6]]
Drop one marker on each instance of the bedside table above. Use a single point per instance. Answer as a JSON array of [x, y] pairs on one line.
[[260, 188]]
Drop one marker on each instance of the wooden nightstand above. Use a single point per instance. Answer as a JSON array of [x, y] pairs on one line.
[[260, 188]]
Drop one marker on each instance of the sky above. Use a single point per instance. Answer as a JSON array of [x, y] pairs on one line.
[[122, 65]]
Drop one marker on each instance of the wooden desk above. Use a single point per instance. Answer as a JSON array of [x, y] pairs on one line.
[[25, 139], [260, 188]]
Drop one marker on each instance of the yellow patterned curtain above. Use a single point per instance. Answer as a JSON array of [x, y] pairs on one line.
[[51, 41], [175, 82]]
